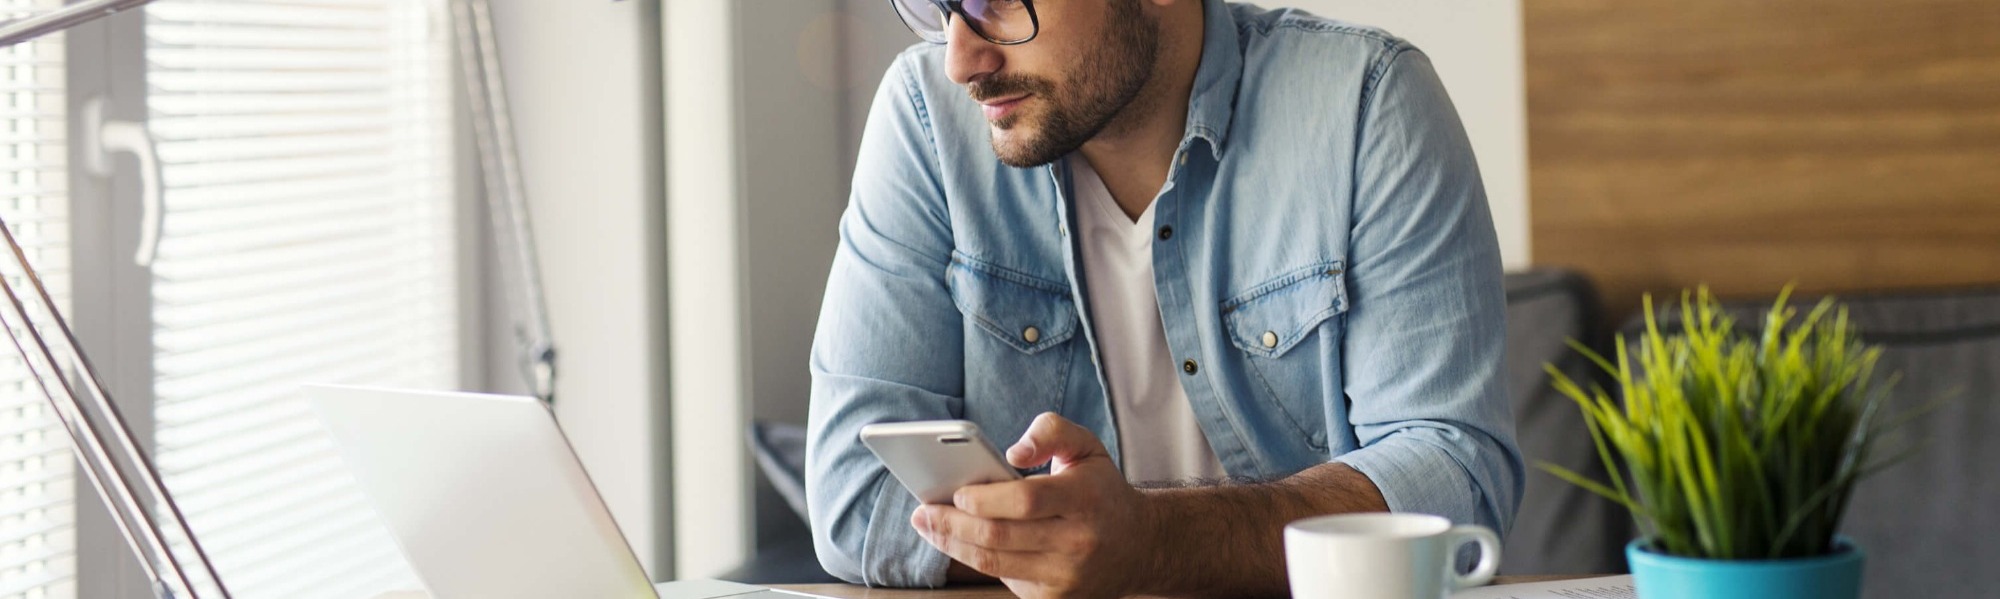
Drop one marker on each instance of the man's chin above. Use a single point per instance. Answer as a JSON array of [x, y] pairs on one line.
[[1017, 148], [1019, 158]]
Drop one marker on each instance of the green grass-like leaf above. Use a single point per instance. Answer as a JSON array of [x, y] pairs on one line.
[[1731, 446]]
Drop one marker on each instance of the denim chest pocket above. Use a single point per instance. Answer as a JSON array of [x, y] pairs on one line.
[[1272, 320], [1020, 359], [1024, 312]]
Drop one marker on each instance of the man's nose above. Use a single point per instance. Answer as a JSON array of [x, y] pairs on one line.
[[968, 57]]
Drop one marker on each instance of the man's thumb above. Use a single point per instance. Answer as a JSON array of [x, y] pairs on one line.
[[1052, 437]]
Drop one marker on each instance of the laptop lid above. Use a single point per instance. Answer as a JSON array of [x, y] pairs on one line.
[[482, 493]]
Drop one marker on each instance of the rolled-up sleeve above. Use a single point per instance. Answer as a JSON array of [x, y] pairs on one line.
[[1426, 329], [888, 347]]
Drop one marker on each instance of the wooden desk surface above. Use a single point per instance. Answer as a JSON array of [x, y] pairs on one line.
[[850, 591], [993, 591]]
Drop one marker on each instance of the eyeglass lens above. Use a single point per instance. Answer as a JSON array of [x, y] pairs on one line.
[[999, 21]]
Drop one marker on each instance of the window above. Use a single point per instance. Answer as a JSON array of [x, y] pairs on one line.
[[37, 487], [309, 238], [311, 235]]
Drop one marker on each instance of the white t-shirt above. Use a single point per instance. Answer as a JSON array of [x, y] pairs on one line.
[[1158, 437]]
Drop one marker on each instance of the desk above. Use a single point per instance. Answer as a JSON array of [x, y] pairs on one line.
[[990, 591], [994, 591]]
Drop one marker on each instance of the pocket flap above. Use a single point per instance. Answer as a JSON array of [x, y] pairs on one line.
[[1025, 312], [1271, 318]]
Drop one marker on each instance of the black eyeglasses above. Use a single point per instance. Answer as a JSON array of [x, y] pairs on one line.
[[1004, 22]]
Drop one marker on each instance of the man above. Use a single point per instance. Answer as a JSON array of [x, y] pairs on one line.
[[1239, 257]]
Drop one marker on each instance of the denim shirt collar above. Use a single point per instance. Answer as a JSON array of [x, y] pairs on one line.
[[1213, 100]]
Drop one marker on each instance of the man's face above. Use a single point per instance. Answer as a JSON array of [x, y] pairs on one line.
[[1045, 98]]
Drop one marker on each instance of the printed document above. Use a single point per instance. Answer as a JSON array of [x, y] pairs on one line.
[[1609, 587]]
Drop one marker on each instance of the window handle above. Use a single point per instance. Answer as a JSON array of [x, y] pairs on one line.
[[101, 138]]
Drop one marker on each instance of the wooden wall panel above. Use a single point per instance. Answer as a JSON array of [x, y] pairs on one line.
[[1842, 144]]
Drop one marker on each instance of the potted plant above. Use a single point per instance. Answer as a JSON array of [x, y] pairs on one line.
[[1736, 451]]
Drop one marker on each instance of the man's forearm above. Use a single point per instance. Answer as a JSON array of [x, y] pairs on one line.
[[1228, 540]]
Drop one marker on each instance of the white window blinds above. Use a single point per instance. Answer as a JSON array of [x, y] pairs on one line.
[[309, 237], [37, 488]]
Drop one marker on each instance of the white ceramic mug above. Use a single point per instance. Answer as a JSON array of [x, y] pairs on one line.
[[1384, 556]]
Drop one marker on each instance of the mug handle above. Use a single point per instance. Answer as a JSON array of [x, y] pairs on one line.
[[1489, 555]]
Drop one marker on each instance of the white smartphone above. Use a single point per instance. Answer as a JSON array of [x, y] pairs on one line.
[[933, 458]]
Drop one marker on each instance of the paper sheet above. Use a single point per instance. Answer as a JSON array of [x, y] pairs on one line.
[[1609, 587]]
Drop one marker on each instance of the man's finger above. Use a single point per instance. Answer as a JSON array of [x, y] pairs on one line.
[[1052, 437], [992, 562], [1031, 498], [1038, 536]]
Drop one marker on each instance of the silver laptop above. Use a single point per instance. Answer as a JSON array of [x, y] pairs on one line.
[[486, 498]]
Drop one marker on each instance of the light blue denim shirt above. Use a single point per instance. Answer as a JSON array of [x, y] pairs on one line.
[[1326, 266]]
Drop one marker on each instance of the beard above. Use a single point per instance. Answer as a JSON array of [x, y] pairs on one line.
[[1092, 95]]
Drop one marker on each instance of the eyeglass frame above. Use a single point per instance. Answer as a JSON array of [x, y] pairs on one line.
[[951, 7]]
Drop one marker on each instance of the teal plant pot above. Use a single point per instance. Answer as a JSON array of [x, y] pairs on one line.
[[1658, 576]]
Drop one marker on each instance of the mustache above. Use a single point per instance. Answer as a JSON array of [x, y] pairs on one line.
[[994, 87]]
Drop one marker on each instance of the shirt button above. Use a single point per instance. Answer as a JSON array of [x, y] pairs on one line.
[[1190, 367], [1270, 339], [1062, 231], [1166, 233], [1031, 334], [1183, 159]]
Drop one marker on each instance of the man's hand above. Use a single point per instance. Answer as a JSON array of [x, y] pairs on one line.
[[1083, 532], [1080, 531]]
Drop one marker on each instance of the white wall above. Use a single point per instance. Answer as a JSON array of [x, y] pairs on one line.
[[584, 79], [792, 195], [756, 186], [706, 287], [1476, 45]]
